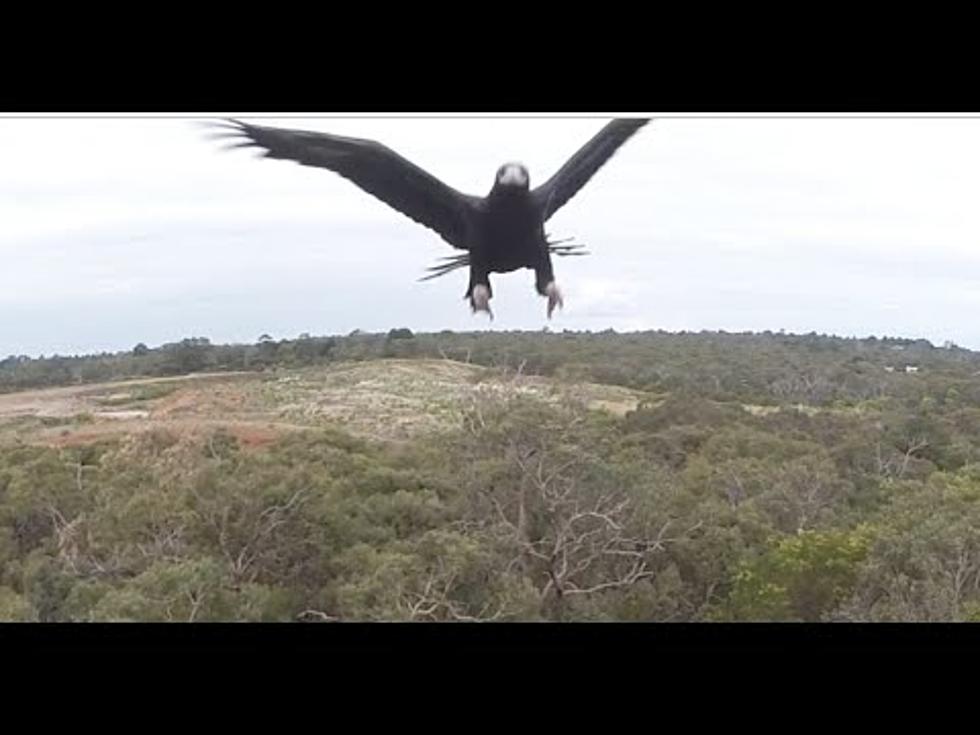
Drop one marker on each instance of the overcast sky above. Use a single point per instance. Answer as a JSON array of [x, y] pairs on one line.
[[118, 231]]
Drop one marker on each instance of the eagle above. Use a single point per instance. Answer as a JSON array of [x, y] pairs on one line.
[[501, 232]]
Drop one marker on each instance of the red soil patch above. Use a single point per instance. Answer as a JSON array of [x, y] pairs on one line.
[[250, 435], [254, 437]]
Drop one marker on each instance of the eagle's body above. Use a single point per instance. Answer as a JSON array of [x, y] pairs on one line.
[[508, 234], [500, 233]]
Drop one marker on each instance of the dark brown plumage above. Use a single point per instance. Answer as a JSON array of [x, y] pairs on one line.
[[499, 233]]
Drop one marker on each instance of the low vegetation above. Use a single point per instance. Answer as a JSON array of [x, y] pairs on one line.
[[494, 477]]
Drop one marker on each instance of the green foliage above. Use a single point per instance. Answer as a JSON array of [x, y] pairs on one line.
[[760, 477], [13, 607], [799, 578], [925, 563]]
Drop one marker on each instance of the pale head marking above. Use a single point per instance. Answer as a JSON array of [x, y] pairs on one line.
[[513, 174]]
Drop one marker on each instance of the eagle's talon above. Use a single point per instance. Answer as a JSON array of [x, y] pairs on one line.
[[554, 298], [480, 300]]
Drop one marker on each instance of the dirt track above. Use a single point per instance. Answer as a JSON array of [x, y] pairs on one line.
[[82, 414], [75, 399]]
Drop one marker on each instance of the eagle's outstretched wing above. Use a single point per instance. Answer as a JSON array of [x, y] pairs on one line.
[[570, 178], [373, 167]]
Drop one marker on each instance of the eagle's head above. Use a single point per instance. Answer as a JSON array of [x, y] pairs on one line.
[[513, 175]]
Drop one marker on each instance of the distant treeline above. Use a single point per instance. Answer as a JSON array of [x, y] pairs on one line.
[[765, 368]]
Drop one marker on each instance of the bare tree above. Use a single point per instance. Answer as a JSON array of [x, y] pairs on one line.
[[434, 600], [570, 532], [895, 463], [806, 492], [247, 534]]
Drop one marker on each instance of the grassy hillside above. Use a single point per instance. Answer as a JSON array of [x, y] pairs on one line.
[[494, 477]]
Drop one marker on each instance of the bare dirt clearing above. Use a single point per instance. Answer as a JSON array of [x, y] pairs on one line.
[[384, 399]]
